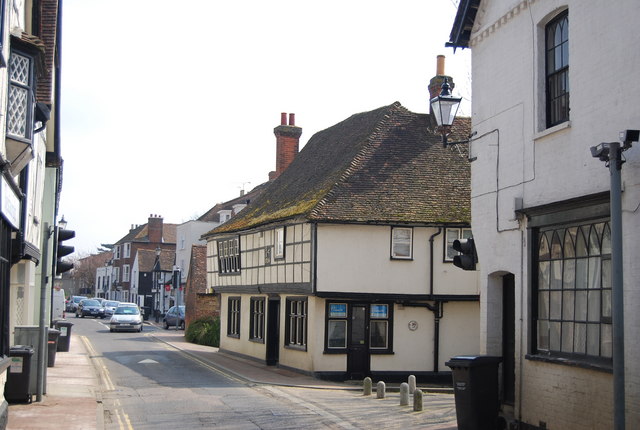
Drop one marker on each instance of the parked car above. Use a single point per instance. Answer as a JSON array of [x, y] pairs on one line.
[[90, 308], [126, 317], [72, 304], [174, 317], [110, 307], [100, 299]]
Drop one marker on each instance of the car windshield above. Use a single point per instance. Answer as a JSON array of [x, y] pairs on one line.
[[90, 303], [127, 310], [181, 310], [111, 303], [77, 299]]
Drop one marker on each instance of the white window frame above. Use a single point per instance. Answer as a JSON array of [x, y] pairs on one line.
[[126, 270], [116, 252], [395, 255], [26, 118], [127, 250], [279, 243], [452, 234]]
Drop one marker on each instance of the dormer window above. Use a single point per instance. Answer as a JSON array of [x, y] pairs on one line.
[[225, 215]]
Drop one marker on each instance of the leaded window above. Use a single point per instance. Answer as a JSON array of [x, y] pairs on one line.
[[20, 97], [401, 243], [296, 329], [256, 332], [557, 69], [233, 317], [229, 255], [574, 290]]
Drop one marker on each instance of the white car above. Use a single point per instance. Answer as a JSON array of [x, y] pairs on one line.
[[110, 307], [126, 317]]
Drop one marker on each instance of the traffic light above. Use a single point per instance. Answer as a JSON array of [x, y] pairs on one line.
[[63, 250], [468, 258]]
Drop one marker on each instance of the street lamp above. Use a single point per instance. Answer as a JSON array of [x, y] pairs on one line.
[[445, 107], [611, 154]]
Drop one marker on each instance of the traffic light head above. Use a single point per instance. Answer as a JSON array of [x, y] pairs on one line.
[[468, 258], [63, 250]]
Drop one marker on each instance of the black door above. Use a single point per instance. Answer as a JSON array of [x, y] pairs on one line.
[[273, 332], [358, 357], [508, 339]]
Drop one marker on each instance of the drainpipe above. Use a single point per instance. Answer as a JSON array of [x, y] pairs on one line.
[[431, 238], [437, 311]]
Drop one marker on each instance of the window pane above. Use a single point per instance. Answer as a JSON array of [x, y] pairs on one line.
[[556, 305], [554, 336], [594, 306], [606, 341], [581, 305], [569, 274], [378, 334], [569, 242], [543, 335], [606, 303], [556, 275], [401, 250], [567, 337], [593, 339], [543, 275], [556, 247], [543, 305], [606, 240], [337, 337], [543, 248], [568, 301], [594, 272], [581, 273], [581, 244], [580, 338]]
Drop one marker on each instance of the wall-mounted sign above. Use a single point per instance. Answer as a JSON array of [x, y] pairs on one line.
[[9, 203], [413, 325], [379, 311], [337, 310]]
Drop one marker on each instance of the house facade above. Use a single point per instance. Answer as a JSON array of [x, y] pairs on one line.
[[154, 234], [342, 267], [551, 79]]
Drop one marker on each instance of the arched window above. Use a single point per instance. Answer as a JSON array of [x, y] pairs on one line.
[[557, 69]]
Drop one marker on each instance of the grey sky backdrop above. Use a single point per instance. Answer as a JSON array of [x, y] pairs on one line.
[[168, 107]]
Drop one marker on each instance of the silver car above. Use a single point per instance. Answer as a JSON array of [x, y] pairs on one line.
[[110, 307], [126, 318]]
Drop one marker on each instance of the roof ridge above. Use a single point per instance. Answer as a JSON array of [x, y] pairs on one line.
[[360, 158]]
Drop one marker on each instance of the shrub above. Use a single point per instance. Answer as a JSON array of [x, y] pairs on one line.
[[204, 331]]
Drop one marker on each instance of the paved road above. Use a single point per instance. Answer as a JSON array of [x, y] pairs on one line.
[[147, 384]]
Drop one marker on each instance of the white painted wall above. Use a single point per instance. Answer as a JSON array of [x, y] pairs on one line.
[[516, 157], [188, 234]]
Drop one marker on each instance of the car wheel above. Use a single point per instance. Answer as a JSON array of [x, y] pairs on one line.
[[111, 330], [77, 315], [166, 325], [140, 329]]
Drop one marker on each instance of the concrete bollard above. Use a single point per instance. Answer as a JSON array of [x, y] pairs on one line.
[[417, 400], [366, 386], [381, 390], [404, 394], [412, 384]]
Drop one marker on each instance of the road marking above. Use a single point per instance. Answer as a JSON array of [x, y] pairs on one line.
[[103, 372], [147, 361]]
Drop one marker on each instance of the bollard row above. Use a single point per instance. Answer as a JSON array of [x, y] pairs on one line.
[[405, 390]]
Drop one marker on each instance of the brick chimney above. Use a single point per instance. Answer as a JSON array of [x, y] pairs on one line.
[[155, 229], [435, 84], [287, 143]]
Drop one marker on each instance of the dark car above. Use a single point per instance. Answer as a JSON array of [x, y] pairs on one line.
[[90, 308], [174, 317]]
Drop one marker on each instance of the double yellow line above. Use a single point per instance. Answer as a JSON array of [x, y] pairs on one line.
[[123, 419]]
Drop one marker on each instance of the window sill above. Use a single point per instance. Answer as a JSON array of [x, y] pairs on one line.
[[235, 336], [296, 347], [601, 365], [335, 351], [551, 130], [229, 274], [401, 258], [256, 340]]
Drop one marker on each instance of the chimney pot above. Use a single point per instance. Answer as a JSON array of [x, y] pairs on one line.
[[440, 65], [283, 118], [292, 119]]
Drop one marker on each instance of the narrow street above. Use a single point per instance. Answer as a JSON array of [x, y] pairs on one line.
[[147, 383]]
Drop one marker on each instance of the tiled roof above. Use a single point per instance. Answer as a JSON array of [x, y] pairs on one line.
[[383, 166], [147, 259], [141, 234], [212, 214]]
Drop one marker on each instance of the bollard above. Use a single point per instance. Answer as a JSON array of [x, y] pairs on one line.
[[381, 390], [366, 386], [412, 384], [417, 400], [404, 394]]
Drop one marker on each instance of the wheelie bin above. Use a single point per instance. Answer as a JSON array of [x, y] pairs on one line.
[[64, 341], [17, 388]]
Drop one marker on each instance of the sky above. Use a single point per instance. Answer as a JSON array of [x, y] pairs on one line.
[[168, 107]]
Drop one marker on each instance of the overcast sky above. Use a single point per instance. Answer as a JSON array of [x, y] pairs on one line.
[[168, 107]]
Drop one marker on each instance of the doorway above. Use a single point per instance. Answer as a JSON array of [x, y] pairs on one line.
[[358, 356], [508, 339], [273, 332]]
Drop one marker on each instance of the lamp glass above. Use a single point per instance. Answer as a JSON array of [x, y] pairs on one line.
[[445, 109]]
